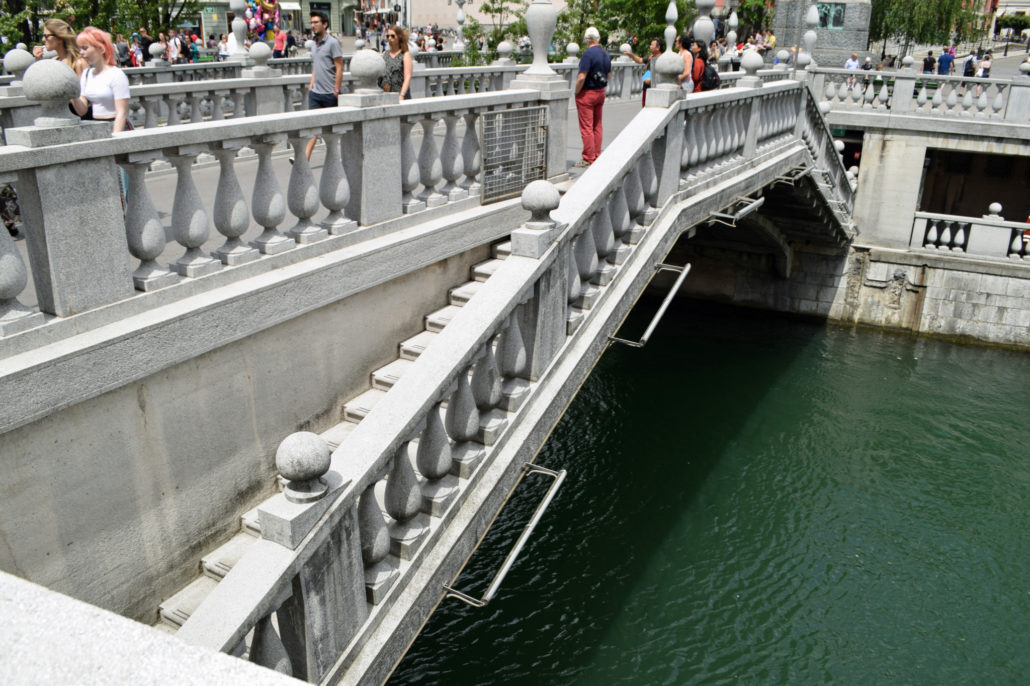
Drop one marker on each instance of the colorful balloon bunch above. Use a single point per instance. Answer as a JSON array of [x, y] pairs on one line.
[[262, 17]]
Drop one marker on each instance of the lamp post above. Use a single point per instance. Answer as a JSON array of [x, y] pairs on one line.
[[459, 44]]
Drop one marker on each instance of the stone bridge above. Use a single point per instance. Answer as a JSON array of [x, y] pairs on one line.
[[284, 442]]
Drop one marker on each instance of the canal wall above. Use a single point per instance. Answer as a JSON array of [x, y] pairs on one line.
[[940, 295], [155, 449]]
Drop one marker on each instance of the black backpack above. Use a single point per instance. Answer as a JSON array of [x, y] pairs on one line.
[[710, 80], [970, 68]]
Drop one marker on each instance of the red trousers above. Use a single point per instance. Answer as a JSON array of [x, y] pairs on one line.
[[589, 104]]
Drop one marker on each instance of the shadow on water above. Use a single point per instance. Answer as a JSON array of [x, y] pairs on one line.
[[638, 441]]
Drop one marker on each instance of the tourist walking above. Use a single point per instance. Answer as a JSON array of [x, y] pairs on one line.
[[279, 47], [326, 69], [594, 71], [399, 65], [929, 62], [946, 64], [655, 50]]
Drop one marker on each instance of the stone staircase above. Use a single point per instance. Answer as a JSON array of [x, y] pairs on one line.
[[174, 611]]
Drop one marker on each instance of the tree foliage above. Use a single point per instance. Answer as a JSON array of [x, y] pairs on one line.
[[21, 20], [754, 16], [621, 19], [926, 21]]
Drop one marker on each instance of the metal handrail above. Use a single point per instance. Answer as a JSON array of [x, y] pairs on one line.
[[528, 468], [684, 270]]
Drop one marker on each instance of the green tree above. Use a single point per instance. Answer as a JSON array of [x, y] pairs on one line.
[[621, 19], [20, 20], [754, 16], [926, 21]]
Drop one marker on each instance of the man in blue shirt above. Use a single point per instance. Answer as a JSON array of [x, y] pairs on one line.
[[594, 71], [945, 64], [326, 69]]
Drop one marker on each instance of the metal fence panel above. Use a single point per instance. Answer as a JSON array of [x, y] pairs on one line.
[[515, 150]]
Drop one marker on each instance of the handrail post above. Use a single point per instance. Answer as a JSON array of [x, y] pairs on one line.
[[76, 231]]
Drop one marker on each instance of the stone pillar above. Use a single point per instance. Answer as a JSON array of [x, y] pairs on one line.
[[372, 150], [1018, 107], [904, 87], [542, 319], [75, 229], [262, 99], [554, 90], [666, 91]]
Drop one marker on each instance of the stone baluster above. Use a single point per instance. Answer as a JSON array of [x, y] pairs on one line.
[[301, 192], [604, 240], [409, 169], [462, 423], [14, 317], [1018, 248], [932, 234], [231, 215], [430, 167], [435, 461], [334, 188], [239, 106], [152, 105], [380, 571], [172, 103], [267, 202], [451, 159], [573, 286], [584, 252], [998, 104], [944, 241], [143, 229], [513, 360], [621, 222], [486, 391], [937, 101], [218, 98], [922, 98], [960, 237], [649, 184], [952, 101], [404, 504], [635, 203], [267, 649], [195, 102], [472, 155], [189, 219]]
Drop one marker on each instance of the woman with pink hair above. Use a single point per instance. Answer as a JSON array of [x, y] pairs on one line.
[[104, 86]]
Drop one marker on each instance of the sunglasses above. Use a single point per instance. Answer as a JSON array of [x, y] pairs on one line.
[[48, 35]]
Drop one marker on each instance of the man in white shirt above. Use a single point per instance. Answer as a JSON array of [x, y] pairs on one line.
[[174, 46], [853, 64]]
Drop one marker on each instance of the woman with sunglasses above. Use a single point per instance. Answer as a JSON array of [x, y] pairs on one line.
[[398, 63], [58, 37]]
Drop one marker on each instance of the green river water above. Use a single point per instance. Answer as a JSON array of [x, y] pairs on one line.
[[755, 499]]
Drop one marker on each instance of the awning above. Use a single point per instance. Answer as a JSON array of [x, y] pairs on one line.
[[289, 6]]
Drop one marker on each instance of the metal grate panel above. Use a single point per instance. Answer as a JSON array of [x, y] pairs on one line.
[[515, 150]]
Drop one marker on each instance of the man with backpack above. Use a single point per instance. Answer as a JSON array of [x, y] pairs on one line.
[[969, 66], [929, 62], [594, 71]]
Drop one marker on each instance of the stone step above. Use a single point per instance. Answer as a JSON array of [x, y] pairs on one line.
[[250, 522], [484, 270], [336, 435], [436, 321], [416, 345], [218, 562], [460, 295], [385, 377], [177, 609], [501, 250], [356, 409]]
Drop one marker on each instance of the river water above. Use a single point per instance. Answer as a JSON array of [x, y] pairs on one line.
[[759, 500]]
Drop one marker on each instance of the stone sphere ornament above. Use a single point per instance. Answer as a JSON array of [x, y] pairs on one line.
[[751, 62], [539, 198], [157, 51], [17, 61], [994, 208], [367, 66], [260, 52], [303, 458], [52, 84]]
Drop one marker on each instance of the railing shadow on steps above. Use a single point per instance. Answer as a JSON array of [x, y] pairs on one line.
[[327, 572]]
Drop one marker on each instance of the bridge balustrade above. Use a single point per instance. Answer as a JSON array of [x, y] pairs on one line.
[[906, 92], [79, 242], [332, 571], [989, 236]]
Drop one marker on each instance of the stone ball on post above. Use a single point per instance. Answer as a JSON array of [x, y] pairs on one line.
[[824, 107], [907, 62], [309, 45], [260, 52], [368, 66], [359, 44], [303, 458], [52, 84], [17, 61], [838, 145], [781, 59], [751, 62], [572, 50], [157, 51], [995, 209], [1024, 68], [505, 48], [539, 198]]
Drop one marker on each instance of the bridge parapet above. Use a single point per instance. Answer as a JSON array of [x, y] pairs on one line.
[[344, 575], [80, 243], [906, 92], [989, 236]]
